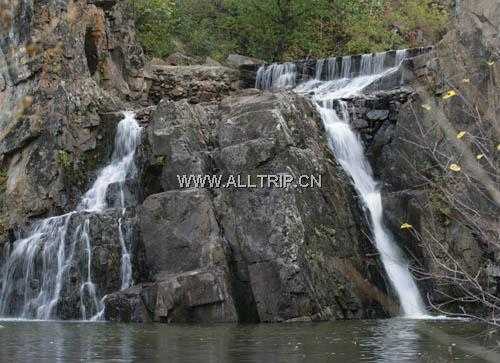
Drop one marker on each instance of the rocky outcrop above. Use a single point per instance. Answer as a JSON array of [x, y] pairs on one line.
[[264, 254], [66, 68]]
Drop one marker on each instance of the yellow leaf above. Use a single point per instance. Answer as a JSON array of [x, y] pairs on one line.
[[490, 63], [466, 80], [455, 167], [406, 226], [479, 156], [449, 94], [498, 147], [460, 134], [426, 106]]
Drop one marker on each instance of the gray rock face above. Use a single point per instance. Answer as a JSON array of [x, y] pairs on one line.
[[377, 115], [180, 231]]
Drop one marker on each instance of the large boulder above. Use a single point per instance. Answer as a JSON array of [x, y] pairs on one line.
[[286, 240]]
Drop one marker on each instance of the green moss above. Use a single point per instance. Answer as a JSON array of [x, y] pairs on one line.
[[64, 160]]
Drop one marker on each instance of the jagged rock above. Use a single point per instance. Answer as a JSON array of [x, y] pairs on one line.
[[197, 83], [202, 296], [180, 137], [135, 304]]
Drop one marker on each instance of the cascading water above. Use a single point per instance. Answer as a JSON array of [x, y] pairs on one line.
[[348, 150], [277, 76], [37, 270]]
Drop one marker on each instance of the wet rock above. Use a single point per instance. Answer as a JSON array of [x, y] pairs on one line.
[[122, 195], [201, 296]]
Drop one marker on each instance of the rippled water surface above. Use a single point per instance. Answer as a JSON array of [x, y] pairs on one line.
[[392, 340]]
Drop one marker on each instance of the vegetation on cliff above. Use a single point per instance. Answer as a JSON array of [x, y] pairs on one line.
[[278, 30]]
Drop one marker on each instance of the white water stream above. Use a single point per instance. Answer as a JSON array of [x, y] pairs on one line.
[[36, 272], [328, 88]]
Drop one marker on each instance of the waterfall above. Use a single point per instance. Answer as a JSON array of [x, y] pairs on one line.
[[400, 56], [37, 270], [378, 62], [366, 65], [277, 76], [345, 71], [348, 150]]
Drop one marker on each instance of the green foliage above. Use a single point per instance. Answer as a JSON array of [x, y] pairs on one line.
[[278, 30], [64, 160], [155, 22]]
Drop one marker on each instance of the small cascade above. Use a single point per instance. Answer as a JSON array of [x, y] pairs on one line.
[[366, 67], [348, 150], [327, 69], [319, 68], [345, 71], [378, 62], [277, 76], [400, 56], [90, 306], [38, 269]]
